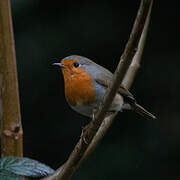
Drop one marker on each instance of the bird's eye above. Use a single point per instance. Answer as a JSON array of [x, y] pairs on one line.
[[76, 64]]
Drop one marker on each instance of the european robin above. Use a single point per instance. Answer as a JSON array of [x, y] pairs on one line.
[[86, 83]]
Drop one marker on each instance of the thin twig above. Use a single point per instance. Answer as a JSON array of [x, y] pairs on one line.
[[72, 163], [99, 135], [133, 68], [11, 129], [127, 82]]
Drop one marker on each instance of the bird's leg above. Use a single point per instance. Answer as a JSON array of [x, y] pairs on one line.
[[86, 127], [82, 134], [93, 114]]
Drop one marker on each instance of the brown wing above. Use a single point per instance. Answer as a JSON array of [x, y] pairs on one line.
[[122, 90], [106, 77]]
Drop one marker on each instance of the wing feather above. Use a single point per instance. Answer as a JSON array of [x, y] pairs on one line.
[[122, 90]]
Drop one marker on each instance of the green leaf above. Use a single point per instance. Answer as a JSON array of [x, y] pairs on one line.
[[6, 175], [24, 166]]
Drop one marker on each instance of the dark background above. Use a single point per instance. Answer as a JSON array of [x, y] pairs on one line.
[[133, 148]]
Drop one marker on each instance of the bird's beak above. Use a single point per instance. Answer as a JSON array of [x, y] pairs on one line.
[[58, 64]]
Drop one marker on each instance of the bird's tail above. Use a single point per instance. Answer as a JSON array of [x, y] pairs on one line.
[[140, 110]]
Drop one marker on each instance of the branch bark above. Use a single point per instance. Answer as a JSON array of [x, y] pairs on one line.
[[127, 82], [135, 64], [11, 129], [65, 172]]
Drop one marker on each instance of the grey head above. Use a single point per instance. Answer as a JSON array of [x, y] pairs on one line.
[[82, 60], [91, 67]]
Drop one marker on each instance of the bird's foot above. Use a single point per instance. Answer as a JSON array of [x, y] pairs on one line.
[[83, 134]]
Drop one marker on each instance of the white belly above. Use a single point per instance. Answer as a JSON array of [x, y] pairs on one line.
[[87, 110]]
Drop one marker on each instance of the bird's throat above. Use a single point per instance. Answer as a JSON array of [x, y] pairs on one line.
[[79, 89]]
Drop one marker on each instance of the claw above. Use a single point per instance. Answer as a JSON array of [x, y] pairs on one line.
[[93, 114], [82, 135]]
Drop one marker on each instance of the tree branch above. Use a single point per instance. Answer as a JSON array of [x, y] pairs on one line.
[[66, 171], [134, 66], [127, 82], [11, 129]]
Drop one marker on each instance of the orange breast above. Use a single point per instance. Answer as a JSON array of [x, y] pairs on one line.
[[79, 88]]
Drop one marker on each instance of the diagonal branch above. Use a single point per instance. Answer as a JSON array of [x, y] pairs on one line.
[[127, 82], [66, 171], [134, 66]]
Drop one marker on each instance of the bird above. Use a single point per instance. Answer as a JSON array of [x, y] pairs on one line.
[[85, 84]]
